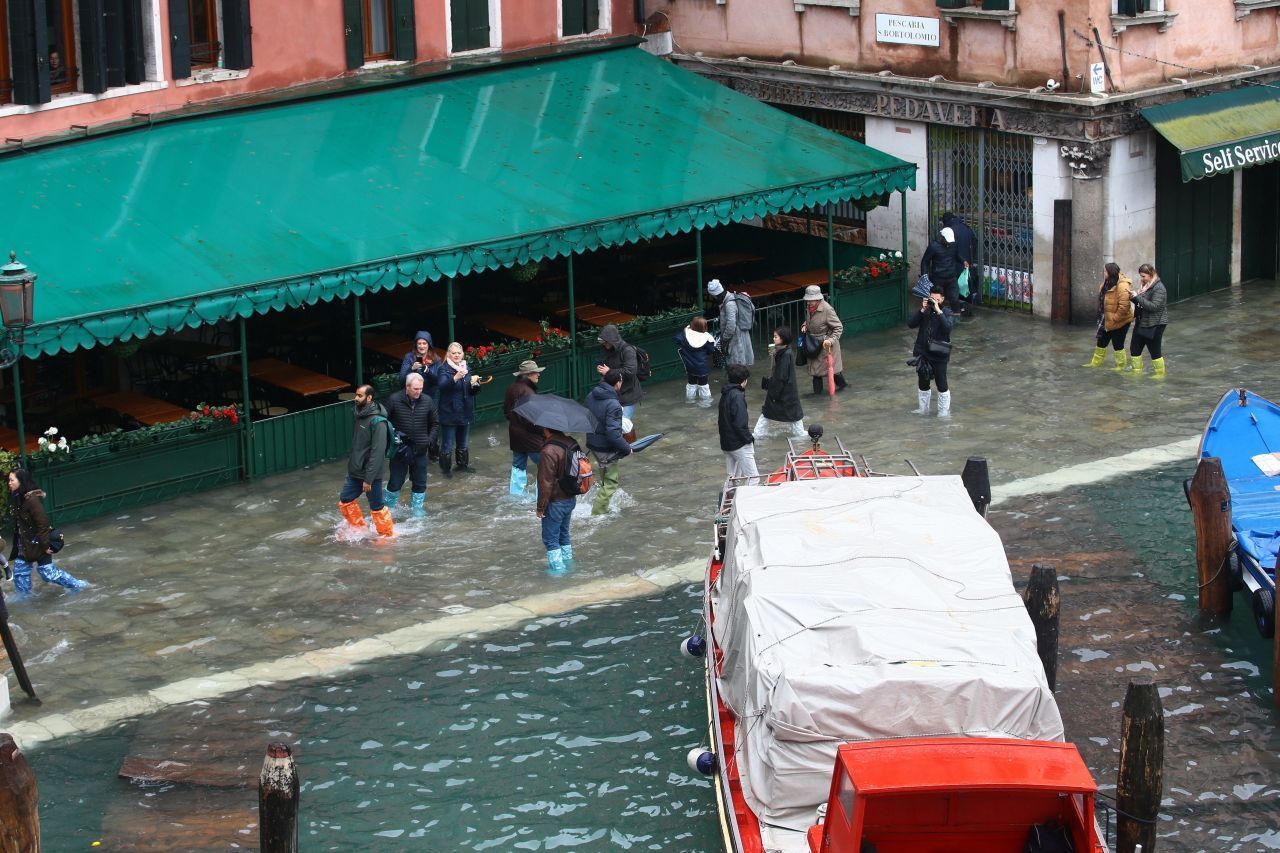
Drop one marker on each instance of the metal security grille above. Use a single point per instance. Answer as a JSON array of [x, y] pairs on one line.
[[984, 176]]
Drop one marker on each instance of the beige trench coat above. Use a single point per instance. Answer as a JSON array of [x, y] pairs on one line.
[[824, 323]]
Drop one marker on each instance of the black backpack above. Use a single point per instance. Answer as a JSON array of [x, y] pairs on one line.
[[578, 476], [644, 371]]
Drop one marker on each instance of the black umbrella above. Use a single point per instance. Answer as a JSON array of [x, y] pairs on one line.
[[558, 413]]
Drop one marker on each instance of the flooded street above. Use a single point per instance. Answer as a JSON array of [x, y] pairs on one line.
[[445, 693]]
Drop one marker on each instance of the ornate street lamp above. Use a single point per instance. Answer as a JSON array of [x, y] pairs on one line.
[[17, 294]]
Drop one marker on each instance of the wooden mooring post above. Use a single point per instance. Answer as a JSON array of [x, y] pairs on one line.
[[278, 801], [1140, 781], [1210, 501], [977, 482], [1043, 605], [19, 815]]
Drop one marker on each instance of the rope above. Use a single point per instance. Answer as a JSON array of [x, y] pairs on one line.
[[1091, 43], [1120, 811], [1226, 558]]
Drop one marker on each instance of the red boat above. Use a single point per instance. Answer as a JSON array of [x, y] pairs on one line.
[[872, 679]]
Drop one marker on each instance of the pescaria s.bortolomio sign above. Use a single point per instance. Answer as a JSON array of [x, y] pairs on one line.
[[1228, 158]]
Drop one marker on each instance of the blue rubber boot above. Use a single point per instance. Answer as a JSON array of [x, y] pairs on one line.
[[519, 479], [417, 505], [555, 563], [566, 551], [390, 499], [22, 576], [50, 573]]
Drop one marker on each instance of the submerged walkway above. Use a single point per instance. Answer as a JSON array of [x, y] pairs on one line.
[[251, 584]]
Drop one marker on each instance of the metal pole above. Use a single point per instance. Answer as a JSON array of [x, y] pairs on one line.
[[831, 257], [355, 299], [573, 337], [982, 212], [248, 408], [448, 282], [698, 285], [905, 256], [17, 405]]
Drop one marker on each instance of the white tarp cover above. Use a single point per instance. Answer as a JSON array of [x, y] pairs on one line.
[[865, 608]]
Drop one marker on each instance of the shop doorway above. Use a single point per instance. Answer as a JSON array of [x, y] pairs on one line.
[[1193, 228], [1260, 223], [984, 177]]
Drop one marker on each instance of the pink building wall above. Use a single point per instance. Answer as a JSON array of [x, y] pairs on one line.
[[295, 42], [977, 50]]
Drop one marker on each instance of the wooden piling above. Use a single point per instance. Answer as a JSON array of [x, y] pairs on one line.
[[1043, 606], [19, 815], [977, 482], [278, 801], [1139, 784], [1210, 501]]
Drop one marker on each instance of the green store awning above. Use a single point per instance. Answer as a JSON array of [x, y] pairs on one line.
[[1222, 132], [200, 220]]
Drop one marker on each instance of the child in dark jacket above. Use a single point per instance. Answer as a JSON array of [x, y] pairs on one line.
[[735, 435], [695, 346]]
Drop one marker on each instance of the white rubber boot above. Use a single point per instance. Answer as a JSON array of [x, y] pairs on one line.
[[923, 397], [944, 404], [690, 392], [704, 394]]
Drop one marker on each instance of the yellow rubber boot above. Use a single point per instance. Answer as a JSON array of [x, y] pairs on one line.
[[1122, 359], [382, 521], [1157, 368], [1135, 365], [351, 512], [1099, 356]]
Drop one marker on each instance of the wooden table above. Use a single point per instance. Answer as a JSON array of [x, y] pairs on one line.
[[9, 440], [806, 278], [290, 377], [187, 350], [147, 411], [508, 324], [393, 346], [599, 315], [767, 287], [713, 260]]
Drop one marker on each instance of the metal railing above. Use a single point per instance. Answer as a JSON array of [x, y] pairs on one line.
[[769, 317]]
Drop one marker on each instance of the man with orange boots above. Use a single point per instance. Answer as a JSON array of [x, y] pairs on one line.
[[367, 465]]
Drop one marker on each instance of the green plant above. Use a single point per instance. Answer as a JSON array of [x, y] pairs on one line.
[[55, 449], [873, 270]]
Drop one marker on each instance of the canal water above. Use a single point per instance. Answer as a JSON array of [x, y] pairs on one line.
[[566, 725]]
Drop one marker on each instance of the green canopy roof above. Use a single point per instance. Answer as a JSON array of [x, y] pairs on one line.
[[205, 219], [1222, 132]]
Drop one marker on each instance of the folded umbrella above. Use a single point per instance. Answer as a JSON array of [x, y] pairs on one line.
[[641, 444], [555, 412]]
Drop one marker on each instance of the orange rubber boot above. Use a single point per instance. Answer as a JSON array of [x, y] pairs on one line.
[[351, 512], [382, 521]]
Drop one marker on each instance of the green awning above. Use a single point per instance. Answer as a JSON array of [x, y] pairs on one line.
[[200, 220], [1222, 132]]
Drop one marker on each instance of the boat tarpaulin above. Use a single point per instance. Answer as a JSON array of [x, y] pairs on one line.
[[859, 609]]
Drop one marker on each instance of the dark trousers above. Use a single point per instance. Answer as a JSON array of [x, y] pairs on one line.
[[1114, 338], [951, 290], [1148, 337], [939, 366], [416, 471]]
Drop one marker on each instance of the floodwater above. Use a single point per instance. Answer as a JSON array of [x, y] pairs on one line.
[[568, 726]]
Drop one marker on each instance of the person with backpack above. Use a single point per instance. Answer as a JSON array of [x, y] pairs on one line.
[[558, 490], [33, 534], [623, 357], [413, 415], [607, 442], [371, 446], [823, 324], [737, 317], [695, 347]]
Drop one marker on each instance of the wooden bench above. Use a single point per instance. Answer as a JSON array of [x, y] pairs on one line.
[[298, 380], [147, 411]]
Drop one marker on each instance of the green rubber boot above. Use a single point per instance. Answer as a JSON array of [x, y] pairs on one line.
[[1099, 356]]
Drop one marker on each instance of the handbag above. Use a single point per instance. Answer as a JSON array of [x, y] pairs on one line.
[[56, 540], [802, 354], [939, 348]]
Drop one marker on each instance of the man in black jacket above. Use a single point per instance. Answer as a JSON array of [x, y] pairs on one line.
[[735, 435], [942, 263], [414, 414]]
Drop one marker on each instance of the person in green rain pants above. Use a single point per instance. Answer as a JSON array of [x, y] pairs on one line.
[[607, 442]]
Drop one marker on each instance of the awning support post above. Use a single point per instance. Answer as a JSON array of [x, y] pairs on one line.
[[573, 337], [448, 297], [355, 301], [831, 257], [906, 291], [17, 408], [247, 421], [699, 284]]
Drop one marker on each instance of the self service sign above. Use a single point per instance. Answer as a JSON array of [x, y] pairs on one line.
[[1221, 132]]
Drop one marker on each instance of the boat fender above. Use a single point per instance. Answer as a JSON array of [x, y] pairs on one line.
[[702, 760], [693, 647]]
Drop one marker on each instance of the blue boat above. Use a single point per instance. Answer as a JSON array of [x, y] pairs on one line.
[[1244, 432]]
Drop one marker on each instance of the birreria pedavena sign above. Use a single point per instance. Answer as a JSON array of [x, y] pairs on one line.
[[1227, 158]]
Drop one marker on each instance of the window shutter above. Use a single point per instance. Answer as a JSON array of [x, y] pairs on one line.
[[135, 52], [237, 35], [458, 23], [571, 21], [29, 51], [113, 15], [353, 20], [93, 46], [403, 38], [592, 15], [478, 20], [180, 39]]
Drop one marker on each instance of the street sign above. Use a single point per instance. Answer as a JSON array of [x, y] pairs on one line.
[[1098, 78], [906, 29]]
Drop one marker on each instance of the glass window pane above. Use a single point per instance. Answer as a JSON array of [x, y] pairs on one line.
[[380, 26], [57, 42], [204, 33]]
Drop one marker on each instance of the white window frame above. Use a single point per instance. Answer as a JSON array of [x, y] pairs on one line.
[[1156, 6], [605, 18], [495, 30]]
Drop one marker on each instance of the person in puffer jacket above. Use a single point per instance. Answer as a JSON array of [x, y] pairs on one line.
[[695, 346], [31, 546], [607, 442]]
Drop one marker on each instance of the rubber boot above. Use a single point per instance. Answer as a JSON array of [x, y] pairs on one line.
[[418, 505], [704, 395], [840, 383], [555, 562], [1122, 359], [923, 397], [351, 512], [382, 521], [1157, 368], [1099, 356], [944, 404], [566, 551], [50, 573], [446, 466], [519, 479], [463, 458], [22, 577], [818, 383], [690, 392], [1135, 365], [390, 498]]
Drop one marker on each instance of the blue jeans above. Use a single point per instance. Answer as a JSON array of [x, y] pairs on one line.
[[450, 435], [629, 412], [416, 472], [354, 488], [522, 460], [555, 524]]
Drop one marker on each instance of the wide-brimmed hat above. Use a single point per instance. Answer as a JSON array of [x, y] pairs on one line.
[[527, 367], [812, 293]]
